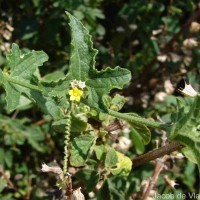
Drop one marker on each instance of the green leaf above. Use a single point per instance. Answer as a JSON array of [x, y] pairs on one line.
[[3, 184], [186, 129], [2, 156], [24, 65], [117, 102], [104, 192], [82, 59], [100, 150], [35, 136], [14, 97], [82, 67], [47, 104], [77, 125], [143, 131], [54, 76], [124, 165], [113, 188], [23, 68], [188, 177], [111, 158], [80, 148], [188, 153], [17, 133], [137, 140], [89, 177], [8, 158], [101, 83]]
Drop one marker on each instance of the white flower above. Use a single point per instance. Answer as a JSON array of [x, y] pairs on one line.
[[188, 91], [81, 84], [74, 83]]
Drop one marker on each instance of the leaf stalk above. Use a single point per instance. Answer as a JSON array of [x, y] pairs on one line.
[[138, 120]]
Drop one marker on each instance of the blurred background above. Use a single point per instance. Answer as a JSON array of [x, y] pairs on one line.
[[158, 41]]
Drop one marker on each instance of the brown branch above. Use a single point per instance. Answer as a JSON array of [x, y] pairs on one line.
[[157, 170], [157, 153]]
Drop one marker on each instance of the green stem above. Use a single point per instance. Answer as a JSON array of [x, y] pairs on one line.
[[67, 140], [24, 84], [138, 120]]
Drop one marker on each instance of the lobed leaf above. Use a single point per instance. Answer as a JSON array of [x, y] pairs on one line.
[[22, 66], [101, 83], [82, 59], [82, 67]]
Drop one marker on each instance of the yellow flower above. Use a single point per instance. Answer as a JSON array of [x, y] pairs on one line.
[[75, 94]]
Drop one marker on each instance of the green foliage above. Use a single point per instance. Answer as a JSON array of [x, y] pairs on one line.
[[16, 133], [22, 67], [123, 165], [80, 148], [185, 129], [90, 178], [111, 158], [41, 93], [82, 67]]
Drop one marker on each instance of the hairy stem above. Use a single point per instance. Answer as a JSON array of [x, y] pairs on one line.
[[157, 153], [67, 140], [157, 170], [21, 83], [138, 120]]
